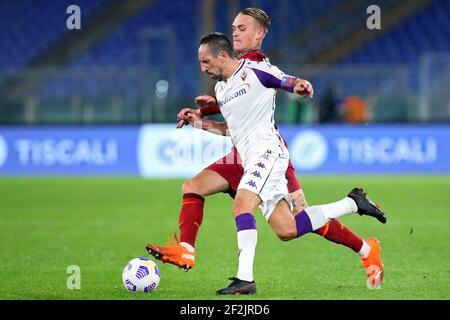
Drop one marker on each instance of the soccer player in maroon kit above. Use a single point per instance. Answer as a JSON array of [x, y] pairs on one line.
[[249, 29]]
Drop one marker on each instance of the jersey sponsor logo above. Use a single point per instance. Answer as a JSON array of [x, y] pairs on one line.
[[240, 91], [3, 151]]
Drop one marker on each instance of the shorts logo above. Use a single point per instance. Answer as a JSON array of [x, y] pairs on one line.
[[251, 183], [3, 151], [256, 174], [261, 165]]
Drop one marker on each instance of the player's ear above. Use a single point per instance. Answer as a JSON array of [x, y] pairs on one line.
[[222, 56], [260, 34]]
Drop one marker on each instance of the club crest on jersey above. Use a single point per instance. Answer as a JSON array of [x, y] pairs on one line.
[[243, 75]]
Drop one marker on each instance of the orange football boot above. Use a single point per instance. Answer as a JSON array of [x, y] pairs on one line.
[[174, 253], [373, 264]]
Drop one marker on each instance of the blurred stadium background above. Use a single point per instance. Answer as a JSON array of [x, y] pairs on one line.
[[136, 62], [102, 101]]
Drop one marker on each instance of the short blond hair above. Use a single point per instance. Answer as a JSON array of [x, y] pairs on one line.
[[259, 15]]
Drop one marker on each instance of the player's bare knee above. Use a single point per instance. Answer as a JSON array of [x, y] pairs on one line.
[[238, 206], [190, 186], [245, 202]]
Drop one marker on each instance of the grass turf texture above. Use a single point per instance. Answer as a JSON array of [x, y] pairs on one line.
[[47, 225]]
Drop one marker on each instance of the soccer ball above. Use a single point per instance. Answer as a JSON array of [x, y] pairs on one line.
[[140, 274]]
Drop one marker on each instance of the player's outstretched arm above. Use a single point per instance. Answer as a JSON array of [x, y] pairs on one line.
[[205, 101], [219, 128], [287, 83], [216, 127], [207, 105]]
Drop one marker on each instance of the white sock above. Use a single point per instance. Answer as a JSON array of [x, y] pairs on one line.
[[365, 250], [246, 244], [320, 215], [339, 208]]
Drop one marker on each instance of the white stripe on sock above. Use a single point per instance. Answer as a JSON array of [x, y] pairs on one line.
[[187, 246], [365, 250]]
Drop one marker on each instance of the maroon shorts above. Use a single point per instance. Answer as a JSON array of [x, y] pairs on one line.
[[230, 168]]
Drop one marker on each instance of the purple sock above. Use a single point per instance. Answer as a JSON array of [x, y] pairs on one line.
[[303, 223], [245, 221]]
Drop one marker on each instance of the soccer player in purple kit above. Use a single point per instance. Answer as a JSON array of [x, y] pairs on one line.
[[249, 29]]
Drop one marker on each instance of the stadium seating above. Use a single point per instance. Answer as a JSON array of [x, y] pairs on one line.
[[146, 40], [124, 46], [427, 30], [32, 26], [160, 42], [405, 45]]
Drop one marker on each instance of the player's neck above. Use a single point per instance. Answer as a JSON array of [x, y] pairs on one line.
[[240, 54], [231, 68]]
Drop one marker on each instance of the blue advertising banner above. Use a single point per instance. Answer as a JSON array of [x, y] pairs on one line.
[[369, 149], [68, 150], [162, 151]]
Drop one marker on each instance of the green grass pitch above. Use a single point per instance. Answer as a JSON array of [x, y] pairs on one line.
[[99, 224]]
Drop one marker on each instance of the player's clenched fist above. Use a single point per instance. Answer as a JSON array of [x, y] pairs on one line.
[[304, 88]]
